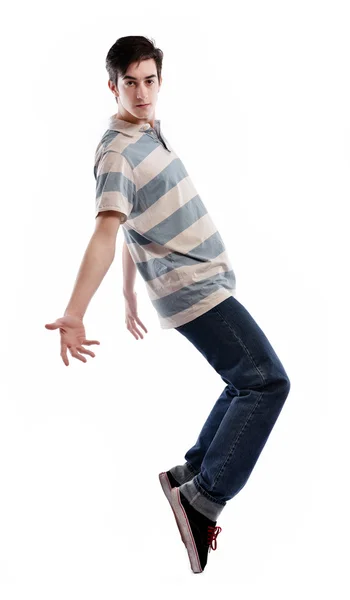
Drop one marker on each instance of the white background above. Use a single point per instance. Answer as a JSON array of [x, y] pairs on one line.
[[255, 101]]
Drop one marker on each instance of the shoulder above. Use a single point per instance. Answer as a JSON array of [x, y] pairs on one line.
[[108, 141]]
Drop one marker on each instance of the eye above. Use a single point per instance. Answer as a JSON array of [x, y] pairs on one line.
[[149, 81]]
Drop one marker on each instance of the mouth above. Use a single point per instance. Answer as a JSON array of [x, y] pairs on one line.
[[138, 105]]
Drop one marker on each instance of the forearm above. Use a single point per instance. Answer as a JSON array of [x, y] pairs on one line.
[[97, 259], [129, 271]]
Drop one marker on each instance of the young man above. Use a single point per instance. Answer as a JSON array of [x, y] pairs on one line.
[[170, 238]]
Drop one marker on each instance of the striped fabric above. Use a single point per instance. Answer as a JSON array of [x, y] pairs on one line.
[[170, 235]]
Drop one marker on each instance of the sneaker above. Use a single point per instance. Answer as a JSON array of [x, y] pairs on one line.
[[168, 482], [198, 533]]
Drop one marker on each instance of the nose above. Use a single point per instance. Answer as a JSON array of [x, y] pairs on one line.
[[142, 96]]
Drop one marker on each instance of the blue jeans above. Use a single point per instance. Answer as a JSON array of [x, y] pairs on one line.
[[242, 418]]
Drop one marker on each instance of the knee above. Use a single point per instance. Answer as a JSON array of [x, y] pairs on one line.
[[285, 383], [280, 376], [278, 383]]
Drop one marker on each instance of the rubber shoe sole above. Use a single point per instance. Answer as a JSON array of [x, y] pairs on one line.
[[197, 531], [168, 482]]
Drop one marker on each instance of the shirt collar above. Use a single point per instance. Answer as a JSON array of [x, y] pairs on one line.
[[131, 129]]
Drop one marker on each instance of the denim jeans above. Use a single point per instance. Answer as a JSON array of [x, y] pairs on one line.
[[238, 426]]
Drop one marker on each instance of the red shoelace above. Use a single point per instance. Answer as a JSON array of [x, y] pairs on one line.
[[213, 533]]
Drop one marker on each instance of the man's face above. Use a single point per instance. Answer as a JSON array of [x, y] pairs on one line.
[[138, 86]]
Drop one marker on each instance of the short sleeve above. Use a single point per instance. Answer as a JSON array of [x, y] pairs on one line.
[[115, 187]]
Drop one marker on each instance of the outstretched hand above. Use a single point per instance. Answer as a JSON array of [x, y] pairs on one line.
[[72, 337]]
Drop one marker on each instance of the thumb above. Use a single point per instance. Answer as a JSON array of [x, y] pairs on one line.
[[54, 325]]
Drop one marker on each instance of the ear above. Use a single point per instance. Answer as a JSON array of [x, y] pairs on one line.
[[113, 89]]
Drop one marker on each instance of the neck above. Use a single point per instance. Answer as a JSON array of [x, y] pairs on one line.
[[126, 116]]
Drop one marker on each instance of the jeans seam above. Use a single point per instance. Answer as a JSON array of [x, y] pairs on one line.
[[191, 468]]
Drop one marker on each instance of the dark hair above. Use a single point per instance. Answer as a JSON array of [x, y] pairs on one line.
[[129, 49]]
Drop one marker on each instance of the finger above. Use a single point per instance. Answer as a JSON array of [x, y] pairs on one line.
[[64, 354], [130, 327], [77, 355], [132, 332], [136, 318], [85, 351], [89, 342], [133, 326], [142, 325], [52, 325], [137, 331]]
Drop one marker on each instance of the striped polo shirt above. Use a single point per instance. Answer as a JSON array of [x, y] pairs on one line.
[[171, 237]]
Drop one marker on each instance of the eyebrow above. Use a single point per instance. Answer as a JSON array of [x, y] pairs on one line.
[[135, 79]]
